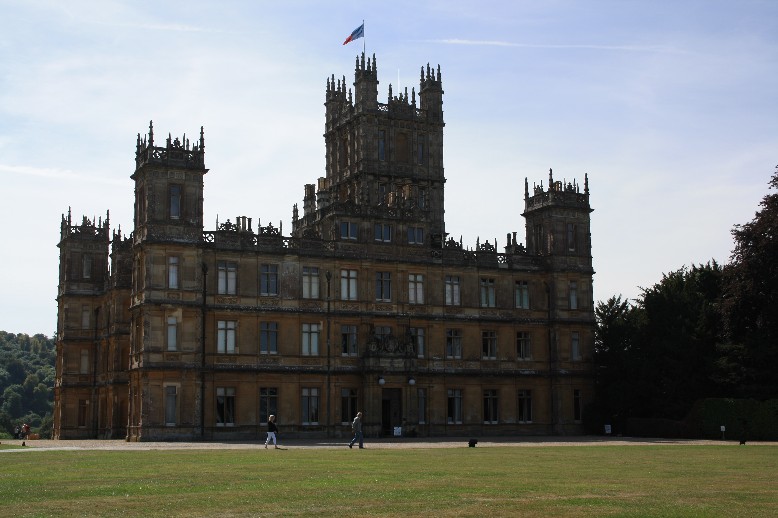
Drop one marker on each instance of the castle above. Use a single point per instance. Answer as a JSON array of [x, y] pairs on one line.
[[178, 333]]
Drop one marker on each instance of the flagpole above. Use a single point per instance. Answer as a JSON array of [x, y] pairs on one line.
[[364, 39]]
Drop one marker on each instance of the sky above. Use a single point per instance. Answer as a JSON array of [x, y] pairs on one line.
[[669, 107]]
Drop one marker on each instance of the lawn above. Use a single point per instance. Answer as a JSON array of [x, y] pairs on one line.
[[656, 480]]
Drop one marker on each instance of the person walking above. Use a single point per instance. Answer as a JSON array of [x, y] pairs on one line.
[[272, 430], [356, 427]]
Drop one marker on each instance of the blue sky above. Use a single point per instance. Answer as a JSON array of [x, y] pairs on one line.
[[669, 107]]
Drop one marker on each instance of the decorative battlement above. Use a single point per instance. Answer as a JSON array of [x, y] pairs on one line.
[[90, 230], [558, 193], [176, 152], [431, 80]]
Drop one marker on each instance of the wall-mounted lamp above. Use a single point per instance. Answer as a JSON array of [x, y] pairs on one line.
[[411, 381], [381, 380]]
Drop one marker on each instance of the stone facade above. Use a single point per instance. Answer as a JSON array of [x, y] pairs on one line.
[[181, 333]]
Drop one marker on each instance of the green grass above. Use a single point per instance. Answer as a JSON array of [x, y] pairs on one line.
[[700, 481]]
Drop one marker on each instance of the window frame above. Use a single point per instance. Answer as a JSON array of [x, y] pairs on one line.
[[521, 295], [311, 338], [348, 284], [453, 290], [491, 406], [311, 282], [487, 292], [383, 286], [453, 344], [268, 337], [226, 337], [309, 406], [227, 278], [488, 344], [415, 288], [225, 407], [454, 411], [268, 280], [349, 345]]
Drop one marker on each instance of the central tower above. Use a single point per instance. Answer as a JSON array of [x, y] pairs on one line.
[[384, 163]]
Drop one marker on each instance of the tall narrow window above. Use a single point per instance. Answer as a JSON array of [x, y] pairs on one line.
[[537, 238], [421, 395], [83, 410], [310, 282], [311, 339], [83, 367], [172, 334], [348, 404], [348, 285], [175, 202], [381, 145], [490, 406], [227, 276], [487, 293], [575, 346], [172, 272], [577, 408], [415, 288], [383, 232], [225, 336], [268, 403], [171, 405], [403, 152], [86, 266], [417, 339], [268, 280], [489, 345], [310, 406], [421, 200], [573, 295], [383, 191], [383, 286], [452, 291], [225, 406], [86, 317], [348, 340], [268, 338], [453, 344], [523, 345], [420, 150], [572, 236], [522, 295], [454, 410], [525, 406]]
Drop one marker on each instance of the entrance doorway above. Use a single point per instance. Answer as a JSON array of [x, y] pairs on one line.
[[391, 410]]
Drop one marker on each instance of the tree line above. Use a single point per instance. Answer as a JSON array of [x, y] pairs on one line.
[[705, 331]]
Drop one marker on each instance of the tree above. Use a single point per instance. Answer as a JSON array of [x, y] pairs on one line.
[[750, 303]]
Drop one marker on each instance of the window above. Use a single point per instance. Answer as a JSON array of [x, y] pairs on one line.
[[227, 274], [268, 403], [225, 336], [382, 334], [383, 286], [417, 340], [421, 395], [522, 295], [383, 190], [310, 282], [268, 280], [348, 340], [576, 405], [420, 150], [572, 236], [575, 346], [383, 232], [172, 272], [83, 367], [348, 285], [421, 201], [348, 230], [381, 144], [83, 410], [86, 266], [453, 343], [86, 313], [490, 406], [415, 235], [171, 405], [537, 237], [175, 201], [348, 404], [454, 411], [310, 406], [225, 406], [415, 288], [172, 334], [311, 339], [525, 406], [573, 295], [403, 152], [268, 337], [489, 345], [523, 345], [487, 293], [452, 291]]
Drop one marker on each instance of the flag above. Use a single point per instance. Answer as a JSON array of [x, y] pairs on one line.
[[359, 32]]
